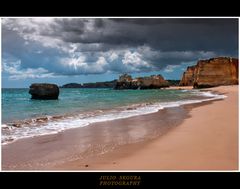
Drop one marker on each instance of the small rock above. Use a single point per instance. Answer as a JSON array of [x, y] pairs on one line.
[[131, 108], [16, 125]]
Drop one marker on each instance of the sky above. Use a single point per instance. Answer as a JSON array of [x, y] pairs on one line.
[[66, 50]]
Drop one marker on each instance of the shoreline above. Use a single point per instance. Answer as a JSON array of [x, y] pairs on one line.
[[120, 157], [139, 109], [204, 141], [112, 134]]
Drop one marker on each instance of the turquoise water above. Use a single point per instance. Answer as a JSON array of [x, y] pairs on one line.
[[80, 107], [17, 103]]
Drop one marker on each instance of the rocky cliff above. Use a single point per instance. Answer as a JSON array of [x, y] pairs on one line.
[[188, 77], [153, 82], [212, 72]]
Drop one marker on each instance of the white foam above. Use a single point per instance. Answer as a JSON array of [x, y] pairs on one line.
[[185, 90], [210, 94], [53, 127]]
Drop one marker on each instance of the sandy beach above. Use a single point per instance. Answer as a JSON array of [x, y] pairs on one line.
[[202, 137]]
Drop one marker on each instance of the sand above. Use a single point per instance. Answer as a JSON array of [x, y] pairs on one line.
[[208, 140], [204, 137]]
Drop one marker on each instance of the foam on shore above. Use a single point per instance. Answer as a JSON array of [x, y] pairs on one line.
[[54, 124]]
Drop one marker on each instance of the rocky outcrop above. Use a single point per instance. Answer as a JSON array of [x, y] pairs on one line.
[[188, 77], [44, 91], [125, 78], [153, 82], [211, 73]]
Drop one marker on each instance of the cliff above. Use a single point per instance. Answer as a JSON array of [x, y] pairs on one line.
[[188, 77], [72, 85], [106, 84], [215, 72], [153, 82], [173, 82], [211, 73]]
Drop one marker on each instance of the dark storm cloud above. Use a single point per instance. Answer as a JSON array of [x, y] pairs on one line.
[[72, 46], [156, 21], [163, 34]]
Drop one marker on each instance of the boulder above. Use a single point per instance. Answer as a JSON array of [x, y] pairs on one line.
[[212, 72], [44, 91]]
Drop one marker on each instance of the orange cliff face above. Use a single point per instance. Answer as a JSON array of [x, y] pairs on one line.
[[188, 77], [212, 72]]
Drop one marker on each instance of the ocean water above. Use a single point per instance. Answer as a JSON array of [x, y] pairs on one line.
[[23, 117]]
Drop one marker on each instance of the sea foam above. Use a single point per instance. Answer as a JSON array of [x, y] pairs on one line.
[[52, 126]]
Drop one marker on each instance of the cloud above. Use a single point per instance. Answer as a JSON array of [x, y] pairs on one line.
[[76, 46], [78, 65], [16, 73], [170, 68], [134, 61]]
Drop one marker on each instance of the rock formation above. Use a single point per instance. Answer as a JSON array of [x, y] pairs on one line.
[[188, 77], [44, 91], [153, 82], [215, 72], [211, 73]]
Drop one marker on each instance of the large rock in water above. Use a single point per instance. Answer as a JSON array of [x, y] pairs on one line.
[[44, 91], [211, 73], [153, 82]]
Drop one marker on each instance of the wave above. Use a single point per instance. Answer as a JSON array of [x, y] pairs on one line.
[[55, 124]]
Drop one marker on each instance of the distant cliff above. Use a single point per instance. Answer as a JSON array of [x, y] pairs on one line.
[[72, 85], [106, 84], [173, 82], [153, 82], [212, 72]]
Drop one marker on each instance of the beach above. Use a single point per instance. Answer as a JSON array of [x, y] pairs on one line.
[[202, 136], [208, 140]]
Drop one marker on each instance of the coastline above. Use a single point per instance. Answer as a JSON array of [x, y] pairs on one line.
[[190, 144], [208, 140]]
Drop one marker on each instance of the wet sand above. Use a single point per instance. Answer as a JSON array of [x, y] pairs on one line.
[[191, 137], [88, 144]]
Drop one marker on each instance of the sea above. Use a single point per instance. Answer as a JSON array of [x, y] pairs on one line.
[[23, 117]]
